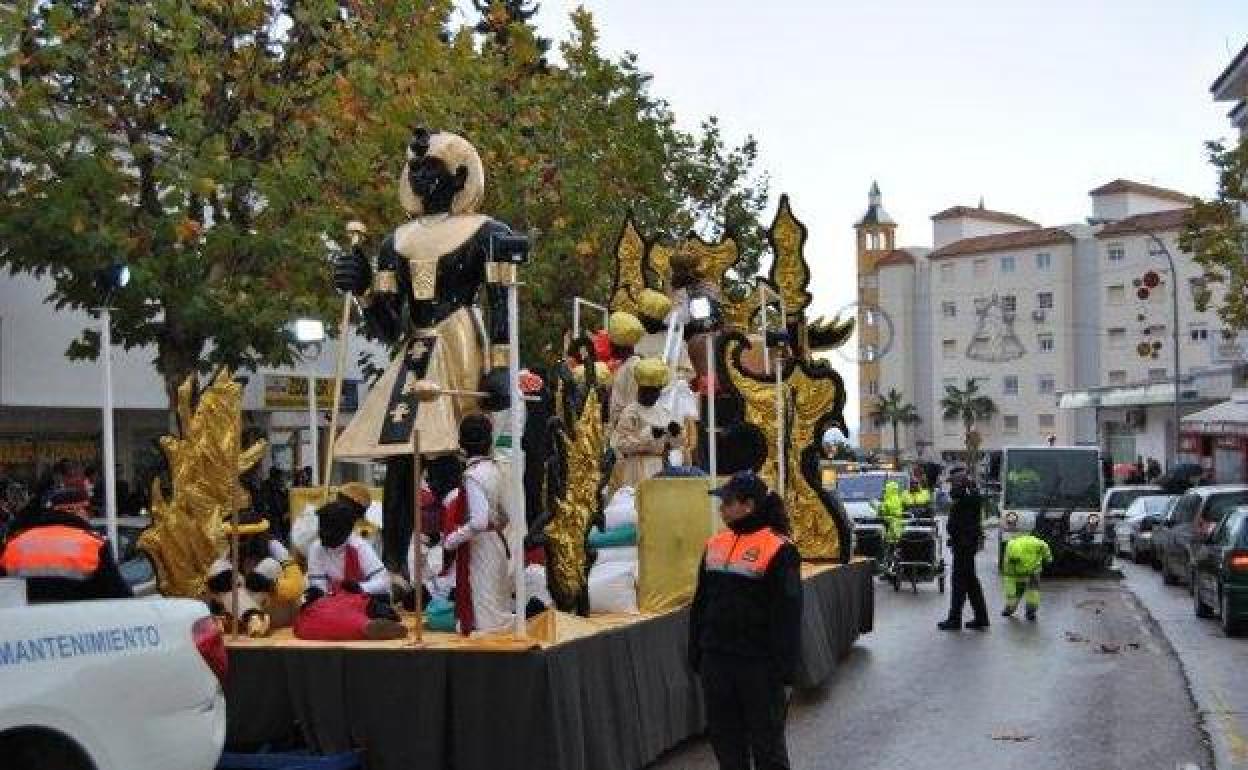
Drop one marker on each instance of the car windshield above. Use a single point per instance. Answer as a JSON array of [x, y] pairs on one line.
[[1221, 504], [1053, 478], [1149, 505], [1121, 499], [863, 487]]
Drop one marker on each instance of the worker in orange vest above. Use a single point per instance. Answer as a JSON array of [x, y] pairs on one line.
[[745, 626], [59, 555]]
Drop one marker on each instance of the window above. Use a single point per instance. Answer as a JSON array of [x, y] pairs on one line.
[[949, 309], [1115, 252], [1157, 375], [1045, 342], [873, 388], [868, 353], [1009, 423], [980, 268], [1118, 338], [1009, 303], [1116, 294], [949, 348], [1044, 300], [1046, 384], [868, 317], [1007, 264], [946, 273], [1046, 421], [869, 282], [1044, 260], [1011, 385], [1199, 334], [1117, 377], [1155, 249]]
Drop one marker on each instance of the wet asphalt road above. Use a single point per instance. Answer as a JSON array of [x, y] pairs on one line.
[[1092, 685]]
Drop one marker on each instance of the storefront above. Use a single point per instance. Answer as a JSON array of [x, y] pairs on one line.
[[1217, 439]]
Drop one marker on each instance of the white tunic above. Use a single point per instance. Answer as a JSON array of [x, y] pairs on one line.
[[326, 566], [484, 527]]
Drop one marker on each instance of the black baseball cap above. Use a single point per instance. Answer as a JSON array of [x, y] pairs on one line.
[[742, 486]]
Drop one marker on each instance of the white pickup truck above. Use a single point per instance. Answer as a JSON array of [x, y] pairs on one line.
[[128, 684]]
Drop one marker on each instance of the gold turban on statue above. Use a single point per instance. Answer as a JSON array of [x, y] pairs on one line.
[[624, 330], [653, 305], [651, 373]]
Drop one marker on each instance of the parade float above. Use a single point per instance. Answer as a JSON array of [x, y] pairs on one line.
[[627, 431]]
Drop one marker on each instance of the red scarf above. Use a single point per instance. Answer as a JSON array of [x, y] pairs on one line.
[[454, 516]]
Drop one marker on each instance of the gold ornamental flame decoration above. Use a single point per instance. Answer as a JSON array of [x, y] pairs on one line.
[[188, 531], [630, 279], [789, 272], [569, 525], [813, 528]]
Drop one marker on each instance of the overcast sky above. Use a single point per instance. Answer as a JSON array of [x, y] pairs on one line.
[[1028, 104]]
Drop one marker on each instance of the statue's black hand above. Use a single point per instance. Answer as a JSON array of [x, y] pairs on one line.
[[352, 272], [497, 384], [673, 428], [656, 431], [312, 594], [221, 582]]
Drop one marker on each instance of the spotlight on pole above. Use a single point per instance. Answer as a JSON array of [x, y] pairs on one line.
[[112, 278], [307, 331]]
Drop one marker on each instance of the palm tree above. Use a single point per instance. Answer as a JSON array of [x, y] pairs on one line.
[[891, 409], [968, 405]]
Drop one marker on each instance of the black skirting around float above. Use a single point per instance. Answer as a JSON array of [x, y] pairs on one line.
[[612, 701]]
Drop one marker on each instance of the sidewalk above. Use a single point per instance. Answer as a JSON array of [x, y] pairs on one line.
[[1216, 667]]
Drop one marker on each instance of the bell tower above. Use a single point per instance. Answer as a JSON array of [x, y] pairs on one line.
[[877, 233]]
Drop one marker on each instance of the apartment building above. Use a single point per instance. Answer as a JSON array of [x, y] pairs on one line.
[[1068, 329]]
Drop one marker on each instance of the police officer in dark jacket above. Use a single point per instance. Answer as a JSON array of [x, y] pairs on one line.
[[745, 626], [59, 555], [965, 535]]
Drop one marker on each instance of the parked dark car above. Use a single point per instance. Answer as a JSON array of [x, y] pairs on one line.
[[1191, 521], [1221, 573], [1133, 537]]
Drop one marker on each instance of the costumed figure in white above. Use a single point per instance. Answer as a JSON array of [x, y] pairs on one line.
[[645, 431], [624, 330], [654, 310], [474, 537]]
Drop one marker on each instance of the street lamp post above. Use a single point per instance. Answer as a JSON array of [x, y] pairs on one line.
[[109, 281], [311, 332], [1174, 311]]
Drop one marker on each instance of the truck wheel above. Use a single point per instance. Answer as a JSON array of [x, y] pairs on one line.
[[1230, 626], [1000, 557], [1166, 577], [42, 749]]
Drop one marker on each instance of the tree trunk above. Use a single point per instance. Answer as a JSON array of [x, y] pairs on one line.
[[896, 444]]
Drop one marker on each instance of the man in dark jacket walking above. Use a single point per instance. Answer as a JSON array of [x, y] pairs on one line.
[[745, 626], [61, 558], [965, 534]]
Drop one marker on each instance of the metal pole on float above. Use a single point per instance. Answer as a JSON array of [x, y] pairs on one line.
[[712, 444], [516, 478], [356, 232], [110, 464], [577, 302]]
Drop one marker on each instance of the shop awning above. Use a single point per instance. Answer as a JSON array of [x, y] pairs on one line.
[[1229, 418], [1128, 395]]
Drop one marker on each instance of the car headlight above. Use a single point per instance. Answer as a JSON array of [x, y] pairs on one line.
[[1094, 520], [1010, 520]]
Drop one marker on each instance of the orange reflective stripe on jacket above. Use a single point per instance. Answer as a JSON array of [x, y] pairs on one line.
[[747, 555], [56, 551]]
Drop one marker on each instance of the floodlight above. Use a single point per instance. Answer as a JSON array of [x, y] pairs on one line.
[[110, 279], [700, 308], [308, 330]]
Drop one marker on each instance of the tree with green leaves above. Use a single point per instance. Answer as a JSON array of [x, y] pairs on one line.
[[219, 148], [893, 409], [1216, 234], [970, 406], [185, 139]]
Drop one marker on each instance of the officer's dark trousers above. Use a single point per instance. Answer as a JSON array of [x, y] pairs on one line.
[[745, 711], [966, 585]]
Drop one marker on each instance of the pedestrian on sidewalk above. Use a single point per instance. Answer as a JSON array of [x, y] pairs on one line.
[[965, 536], [1025, 556], [745, 626]]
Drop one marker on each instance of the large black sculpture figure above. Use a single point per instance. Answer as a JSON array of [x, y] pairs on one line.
[[420, 298]]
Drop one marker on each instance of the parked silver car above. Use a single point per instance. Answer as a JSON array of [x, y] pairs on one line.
[[1133, 537]]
